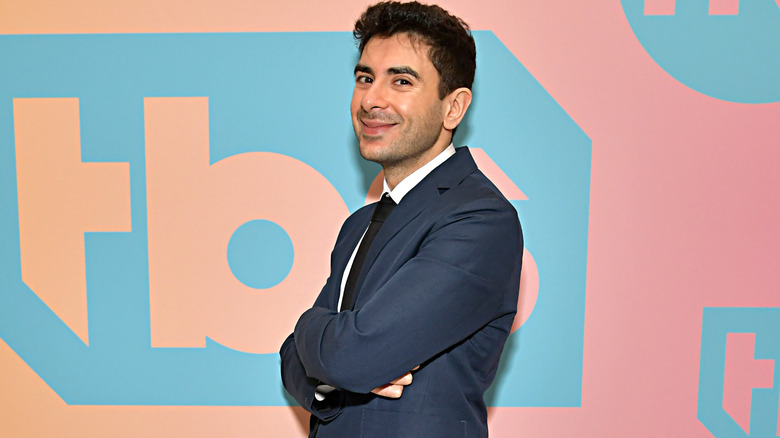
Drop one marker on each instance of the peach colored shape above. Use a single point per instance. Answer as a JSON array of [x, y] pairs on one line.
[[529, 290], [375, 189], [660, 7], [194, 208], [61, 198], [724, 7], [489, 167], [743, 373], [168, 16], [30, 409]]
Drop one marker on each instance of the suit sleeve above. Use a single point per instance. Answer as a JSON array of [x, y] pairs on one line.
[[296, 381], [303, 387], [464, 275]]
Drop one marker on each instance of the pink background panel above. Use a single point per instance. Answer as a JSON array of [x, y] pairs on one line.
[[683, 214]]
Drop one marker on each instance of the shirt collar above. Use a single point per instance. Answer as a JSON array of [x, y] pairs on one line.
[[408, 183]]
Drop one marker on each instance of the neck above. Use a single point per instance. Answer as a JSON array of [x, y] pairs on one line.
[[398, 171]]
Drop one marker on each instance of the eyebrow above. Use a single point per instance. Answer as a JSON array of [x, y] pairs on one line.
[[404, 69], [399, 70], [363, 69]]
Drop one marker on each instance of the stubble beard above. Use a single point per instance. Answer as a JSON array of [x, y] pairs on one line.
[[407, 148]]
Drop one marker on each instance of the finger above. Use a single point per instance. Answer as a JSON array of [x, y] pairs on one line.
[[404, 380], [389, 391]]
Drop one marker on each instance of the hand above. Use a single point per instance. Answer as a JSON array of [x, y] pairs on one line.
[[395, 388]]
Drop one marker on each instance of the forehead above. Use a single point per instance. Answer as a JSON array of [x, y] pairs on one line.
[[396, 50]]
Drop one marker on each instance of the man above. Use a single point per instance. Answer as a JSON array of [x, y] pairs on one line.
[[406, 335]]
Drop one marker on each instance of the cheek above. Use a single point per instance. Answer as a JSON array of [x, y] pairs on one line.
[[354, 105], [405, 108]]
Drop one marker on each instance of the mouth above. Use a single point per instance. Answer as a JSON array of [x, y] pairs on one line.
[[372, 127], [375, 127]]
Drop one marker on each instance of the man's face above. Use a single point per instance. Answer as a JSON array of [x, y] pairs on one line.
[[396, 110]]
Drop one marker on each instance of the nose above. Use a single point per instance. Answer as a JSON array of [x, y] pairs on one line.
[[375, 97]]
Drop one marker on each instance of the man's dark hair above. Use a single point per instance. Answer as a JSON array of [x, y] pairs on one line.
[[452, 49]]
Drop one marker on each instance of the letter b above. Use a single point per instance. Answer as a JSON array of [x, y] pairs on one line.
[[194, 208]]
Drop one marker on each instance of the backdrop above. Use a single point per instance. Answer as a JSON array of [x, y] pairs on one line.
[[155, 156]]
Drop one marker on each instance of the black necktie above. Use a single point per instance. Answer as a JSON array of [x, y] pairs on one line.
[[381, 211]]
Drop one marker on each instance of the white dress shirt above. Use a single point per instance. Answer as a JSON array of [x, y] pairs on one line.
[[398, 193]]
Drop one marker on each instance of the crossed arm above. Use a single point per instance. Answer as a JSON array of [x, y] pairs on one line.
[[454, 279], [395, 388]]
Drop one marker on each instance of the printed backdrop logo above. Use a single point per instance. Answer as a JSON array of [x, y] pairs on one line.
[[155, 243], [727, 49], [739, 379]]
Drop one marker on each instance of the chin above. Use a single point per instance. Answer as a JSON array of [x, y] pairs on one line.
[[372, 151]]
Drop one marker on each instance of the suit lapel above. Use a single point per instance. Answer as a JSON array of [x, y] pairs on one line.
[[447, 175], [345, 246]]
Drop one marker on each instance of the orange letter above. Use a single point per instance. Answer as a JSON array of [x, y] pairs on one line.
[[60, 198], [194, 208]]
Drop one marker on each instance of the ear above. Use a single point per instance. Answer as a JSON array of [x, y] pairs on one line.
[[457, 103]]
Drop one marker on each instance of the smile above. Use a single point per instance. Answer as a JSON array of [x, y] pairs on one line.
[[375, 127]]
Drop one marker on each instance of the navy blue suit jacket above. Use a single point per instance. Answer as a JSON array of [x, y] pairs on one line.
[[438, 289]]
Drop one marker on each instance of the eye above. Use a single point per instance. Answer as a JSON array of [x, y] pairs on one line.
[[402, 82], [363, 79]]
